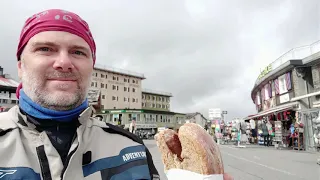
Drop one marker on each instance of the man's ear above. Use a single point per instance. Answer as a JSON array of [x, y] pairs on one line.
[[19, 68]]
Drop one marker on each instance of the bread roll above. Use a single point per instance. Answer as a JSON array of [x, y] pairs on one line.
[[191, 149]]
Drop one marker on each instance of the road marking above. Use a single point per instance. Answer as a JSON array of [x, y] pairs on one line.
[[256, 157], [259, 164]]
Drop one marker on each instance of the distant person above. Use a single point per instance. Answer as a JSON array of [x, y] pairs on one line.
[[265, 133]]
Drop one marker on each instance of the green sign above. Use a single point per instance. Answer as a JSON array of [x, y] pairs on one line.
[[122, 111], [265, 71]]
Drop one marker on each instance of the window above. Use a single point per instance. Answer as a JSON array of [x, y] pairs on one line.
[[143, 96], [103, 97], [96, 84], [143, 104], [160, 98], [133, 81], [125, 88], [282, 84], [133, 90], [114, 98], [163, 106], [102, 75], [125, 79], [102, 85], [106, 86], [153, 98], [96, 75], [92, 84], [133, 100], [117, 88], [148, 97], [125, 99], [114, 87], [114, 78], [128, 89], [117, 78], [153, 105]]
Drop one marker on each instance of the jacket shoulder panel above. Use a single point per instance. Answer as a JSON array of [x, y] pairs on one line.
[[7, 120], [117, 130]]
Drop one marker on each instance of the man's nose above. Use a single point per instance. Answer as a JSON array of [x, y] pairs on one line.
[[63, 62]]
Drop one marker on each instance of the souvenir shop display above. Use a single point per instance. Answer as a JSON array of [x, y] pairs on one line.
[[316, 131], [278, 134]]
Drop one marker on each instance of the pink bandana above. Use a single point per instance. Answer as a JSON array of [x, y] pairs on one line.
[[55, 20]]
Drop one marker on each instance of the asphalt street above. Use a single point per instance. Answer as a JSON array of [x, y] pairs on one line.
[[258, 162]]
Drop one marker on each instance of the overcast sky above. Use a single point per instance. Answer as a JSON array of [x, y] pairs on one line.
[[207, 53]]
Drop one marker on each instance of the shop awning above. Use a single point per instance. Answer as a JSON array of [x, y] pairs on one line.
[[275, 109]]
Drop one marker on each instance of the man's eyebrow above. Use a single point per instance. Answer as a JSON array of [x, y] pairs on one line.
[[46, 43]]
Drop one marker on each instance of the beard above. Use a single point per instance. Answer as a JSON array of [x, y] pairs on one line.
[[34, 86]]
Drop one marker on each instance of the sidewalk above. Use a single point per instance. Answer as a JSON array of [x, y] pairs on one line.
[[254, 146]]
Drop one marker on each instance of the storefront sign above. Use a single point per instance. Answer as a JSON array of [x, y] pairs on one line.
[[284, 98], [265, 71], [122, 111], [144, 126]]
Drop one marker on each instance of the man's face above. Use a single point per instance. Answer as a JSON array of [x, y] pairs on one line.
[[55, 69]]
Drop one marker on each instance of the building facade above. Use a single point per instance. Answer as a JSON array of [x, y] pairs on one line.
[[197, 118], [287, 93], [155, 100], [118, 98], [120, 89], [8, 87]]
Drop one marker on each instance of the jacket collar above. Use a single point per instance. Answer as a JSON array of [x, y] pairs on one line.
[[21, 119]]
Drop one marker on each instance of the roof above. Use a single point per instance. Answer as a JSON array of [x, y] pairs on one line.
[[8, 82], [161, 93], [118, 71], [191, 115]]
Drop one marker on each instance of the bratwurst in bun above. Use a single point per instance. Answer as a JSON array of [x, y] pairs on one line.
[[191, 149]]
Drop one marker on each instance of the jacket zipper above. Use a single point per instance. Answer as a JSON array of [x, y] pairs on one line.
[[65, 166]]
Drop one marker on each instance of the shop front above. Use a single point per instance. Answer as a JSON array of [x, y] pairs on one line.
[[311, 121], [279, 121]]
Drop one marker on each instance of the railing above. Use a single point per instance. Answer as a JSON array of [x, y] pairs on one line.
[[118, 70], [295, 53], [156, 92]]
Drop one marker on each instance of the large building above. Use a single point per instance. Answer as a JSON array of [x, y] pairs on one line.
[[287, 93], [118, 98], [8, 88], [119, 88], [156, 100]]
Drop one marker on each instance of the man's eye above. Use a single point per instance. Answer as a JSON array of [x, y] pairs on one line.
[[79, 53], [44, 49]]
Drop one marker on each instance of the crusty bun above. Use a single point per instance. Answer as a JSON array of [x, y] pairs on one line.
[[191, 149]]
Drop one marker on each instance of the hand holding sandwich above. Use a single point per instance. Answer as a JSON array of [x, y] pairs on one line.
[[192, 149]]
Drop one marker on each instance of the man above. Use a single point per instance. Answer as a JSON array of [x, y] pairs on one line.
[[265, 133], [51, 134]]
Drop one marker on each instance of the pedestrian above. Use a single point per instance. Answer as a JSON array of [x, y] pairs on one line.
[[51, 134], [265, 133]]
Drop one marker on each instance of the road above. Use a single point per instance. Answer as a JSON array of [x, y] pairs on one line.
[[257, 163]]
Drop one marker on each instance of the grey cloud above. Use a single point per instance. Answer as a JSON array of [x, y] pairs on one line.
[[207, 53]]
